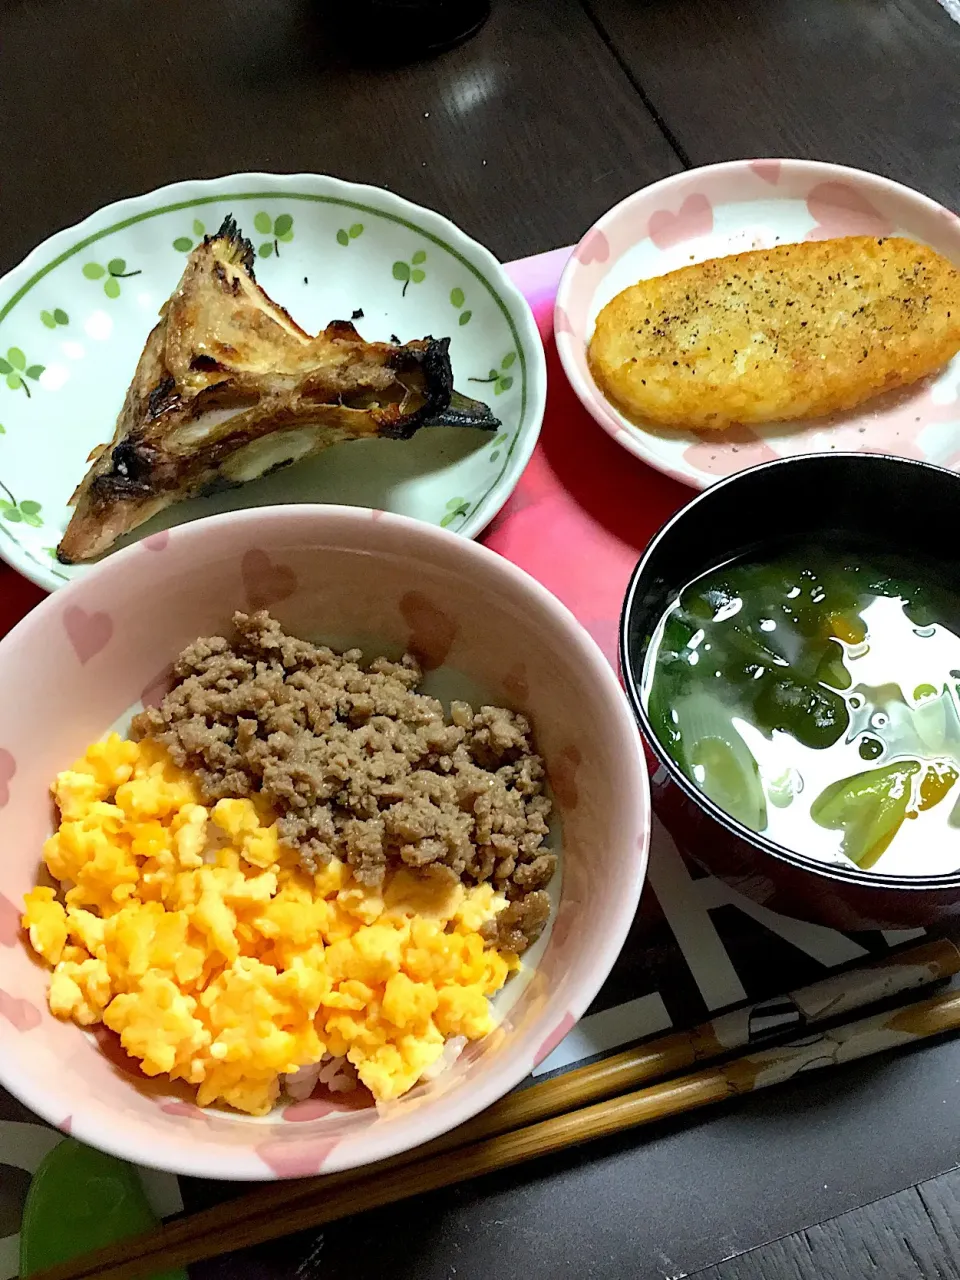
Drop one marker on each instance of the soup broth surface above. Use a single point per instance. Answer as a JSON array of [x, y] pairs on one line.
[[814, 697]]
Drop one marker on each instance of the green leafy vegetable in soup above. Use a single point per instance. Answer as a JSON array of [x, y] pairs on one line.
[[814, 697]]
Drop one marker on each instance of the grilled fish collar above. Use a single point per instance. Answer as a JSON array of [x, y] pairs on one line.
[[228, 388]]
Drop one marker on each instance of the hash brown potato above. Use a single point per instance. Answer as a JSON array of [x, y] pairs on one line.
[[796, 331]]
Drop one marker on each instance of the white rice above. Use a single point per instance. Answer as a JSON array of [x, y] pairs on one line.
[[340, 1076], [451, 1052], [336, 1073]]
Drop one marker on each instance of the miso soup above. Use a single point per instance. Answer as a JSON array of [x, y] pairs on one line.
[[814, 697]]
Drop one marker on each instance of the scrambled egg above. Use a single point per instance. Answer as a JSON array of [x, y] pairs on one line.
[[192, 933]]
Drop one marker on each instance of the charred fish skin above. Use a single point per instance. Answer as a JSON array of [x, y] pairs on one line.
[[433, 361], [133, 473], [241, 248], [464, 412], [229, 388]]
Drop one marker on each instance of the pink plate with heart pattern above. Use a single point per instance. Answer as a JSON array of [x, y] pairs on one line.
[[729, 208], [92, 653]]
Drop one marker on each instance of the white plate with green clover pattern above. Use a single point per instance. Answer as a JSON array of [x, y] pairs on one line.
[[75, 314]]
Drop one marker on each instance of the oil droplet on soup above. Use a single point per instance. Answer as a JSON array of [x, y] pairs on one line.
[[815, 697]]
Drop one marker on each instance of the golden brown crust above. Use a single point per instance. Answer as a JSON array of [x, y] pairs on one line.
[[797, 331]]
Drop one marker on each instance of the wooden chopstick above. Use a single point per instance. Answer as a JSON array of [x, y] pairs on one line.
[[530, 1122]]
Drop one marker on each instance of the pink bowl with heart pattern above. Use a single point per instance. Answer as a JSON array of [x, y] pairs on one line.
[[729, 208], [86, 657]]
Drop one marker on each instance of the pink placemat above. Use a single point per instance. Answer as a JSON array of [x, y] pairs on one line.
[[584, 508]]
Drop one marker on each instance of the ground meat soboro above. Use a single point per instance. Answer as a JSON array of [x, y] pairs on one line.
[[361, 766]]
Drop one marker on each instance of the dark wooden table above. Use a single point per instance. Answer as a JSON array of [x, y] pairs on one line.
[[524, 136]]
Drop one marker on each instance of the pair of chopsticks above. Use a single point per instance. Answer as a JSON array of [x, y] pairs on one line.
[[591, 1102]]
